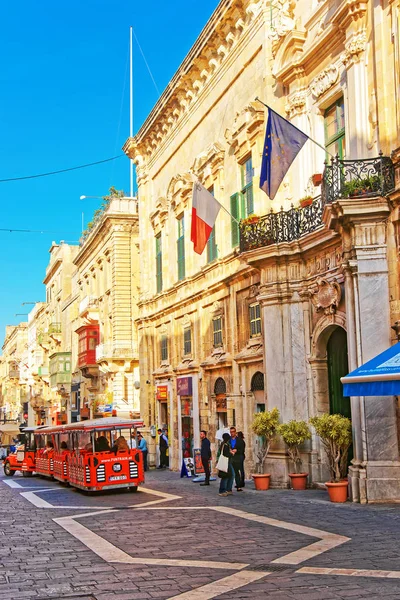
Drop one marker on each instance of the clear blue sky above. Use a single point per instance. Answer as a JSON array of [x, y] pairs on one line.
[[64, 102]]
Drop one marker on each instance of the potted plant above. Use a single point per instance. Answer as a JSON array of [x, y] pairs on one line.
[[317, 179], [294, 434], [335, 434], [362, 187], [305, 201], [265, 425]]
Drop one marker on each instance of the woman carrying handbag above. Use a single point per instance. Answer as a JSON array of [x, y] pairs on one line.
[[224, 466]]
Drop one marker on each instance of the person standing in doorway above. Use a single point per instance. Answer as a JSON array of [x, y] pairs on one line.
[[205, 456], [142, 445], [163, 445], [237, 446]]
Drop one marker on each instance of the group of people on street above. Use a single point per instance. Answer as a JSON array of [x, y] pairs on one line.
[[233, 447]]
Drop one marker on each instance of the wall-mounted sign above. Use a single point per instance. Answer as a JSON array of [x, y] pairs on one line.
[[184, 386], [221, 403], [162, 392]]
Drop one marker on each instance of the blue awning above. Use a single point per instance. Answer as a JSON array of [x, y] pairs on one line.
[[378, 377]]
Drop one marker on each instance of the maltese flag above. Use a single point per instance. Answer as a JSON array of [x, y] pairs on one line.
[[205, 209]]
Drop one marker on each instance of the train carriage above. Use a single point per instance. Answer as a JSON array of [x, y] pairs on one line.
[[44, 456], [24, 458], [103, 455]]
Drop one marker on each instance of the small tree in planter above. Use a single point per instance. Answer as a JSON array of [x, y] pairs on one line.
[[265, 424], [335, 434], [294, 434]]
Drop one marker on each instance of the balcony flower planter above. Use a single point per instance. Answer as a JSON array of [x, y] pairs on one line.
[[306, 201], [317, 179]]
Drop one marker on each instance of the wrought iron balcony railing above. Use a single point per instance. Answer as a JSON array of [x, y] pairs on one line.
[[342, 179], [357, 178], [282, 226]]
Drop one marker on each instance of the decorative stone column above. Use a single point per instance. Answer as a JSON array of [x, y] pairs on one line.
[[375, 475]]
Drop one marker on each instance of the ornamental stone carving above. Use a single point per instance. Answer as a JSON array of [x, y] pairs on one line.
[[327, 296], [322, 82], [296, 104], [284, 19], [354, 48]]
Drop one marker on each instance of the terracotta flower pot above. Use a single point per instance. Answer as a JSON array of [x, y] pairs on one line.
[[298, 481], [306, 202], [338, 492], [262, 481], [317, 179]]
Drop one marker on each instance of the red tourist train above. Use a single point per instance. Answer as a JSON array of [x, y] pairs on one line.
[[94, 455]]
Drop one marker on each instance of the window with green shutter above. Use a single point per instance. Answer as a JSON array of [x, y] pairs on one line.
[[187, 341], [159, 281], [255, 320], [247, 173], [180, 247], [217, 332], [164, 347], [335, 140], [212, 252]]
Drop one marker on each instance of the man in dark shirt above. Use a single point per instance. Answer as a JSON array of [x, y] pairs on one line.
[[237, 458], [205, 455], [163, 445]]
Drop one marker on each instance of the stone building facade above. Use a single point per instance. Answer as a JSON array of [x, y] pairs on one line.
[[274, 312]]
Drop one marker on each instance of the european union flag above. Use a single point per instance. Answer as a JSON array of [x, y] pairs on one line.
[[283, 142]]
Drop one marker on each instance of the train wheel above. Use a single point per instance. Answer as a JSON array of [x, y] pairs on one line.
[[27, 473], [8, 472], [133, 488]]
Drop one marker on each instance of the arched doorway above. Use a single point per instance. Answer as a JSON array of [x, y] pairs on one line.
[[257, 387], [337, 368]]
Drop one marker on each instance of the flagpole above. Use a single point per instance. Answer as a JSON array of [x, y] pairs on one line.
[[131, 106], [310, 138]]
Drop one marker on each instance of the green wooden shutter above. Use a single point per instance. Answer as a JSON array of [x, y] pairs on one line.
[[235, 212]]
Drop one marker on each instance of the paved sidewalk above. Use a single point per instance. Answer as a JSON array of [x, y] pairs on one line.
[[179, 540]]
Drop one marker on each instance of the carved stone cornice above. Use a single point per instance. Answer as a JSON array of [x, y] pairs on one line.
[[354, 48], [296, 104], [324, 80], [288, 59], [179, 191], [246, 127], [349, 11], [159, 215], [208, 163], [213, 48]]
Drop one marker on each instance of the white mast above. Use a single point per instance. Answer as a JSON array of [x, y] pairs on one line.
[[131, 108]]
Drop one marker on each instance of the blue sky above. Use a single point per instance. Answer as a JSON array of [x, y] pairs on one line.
[[64, 101]]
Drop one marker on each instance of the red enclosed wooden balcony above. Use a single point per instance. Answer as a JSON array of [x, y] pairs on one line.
[[88, 340]]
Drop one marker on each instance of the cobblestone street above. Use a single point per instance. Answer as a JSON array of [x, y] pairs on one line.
[[175, 539]]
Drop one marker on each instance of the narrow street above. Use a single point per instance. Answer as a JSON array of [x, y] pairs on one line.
[[175, 539]]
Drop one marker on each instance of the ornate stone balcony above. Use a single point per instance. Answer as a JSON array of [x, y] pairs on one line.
[[342, 179], [357, 178]]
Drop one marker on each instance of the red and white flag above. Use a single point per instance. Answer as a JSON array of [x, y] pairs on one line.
[[205, 209]]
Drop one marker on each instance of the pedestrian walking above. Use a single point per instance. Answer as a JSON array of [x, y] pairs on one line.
[[225, 486], [163, 445], [237, 445], [205, 455], [242, 480], [142, 445]]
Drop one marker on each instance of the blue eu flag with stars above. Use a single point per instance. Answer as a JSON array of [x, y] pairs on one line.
[[283, 142]]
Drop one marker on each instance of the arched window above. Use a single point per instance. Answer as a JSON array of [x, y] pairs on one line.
[[220, 386], [257, 382]]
